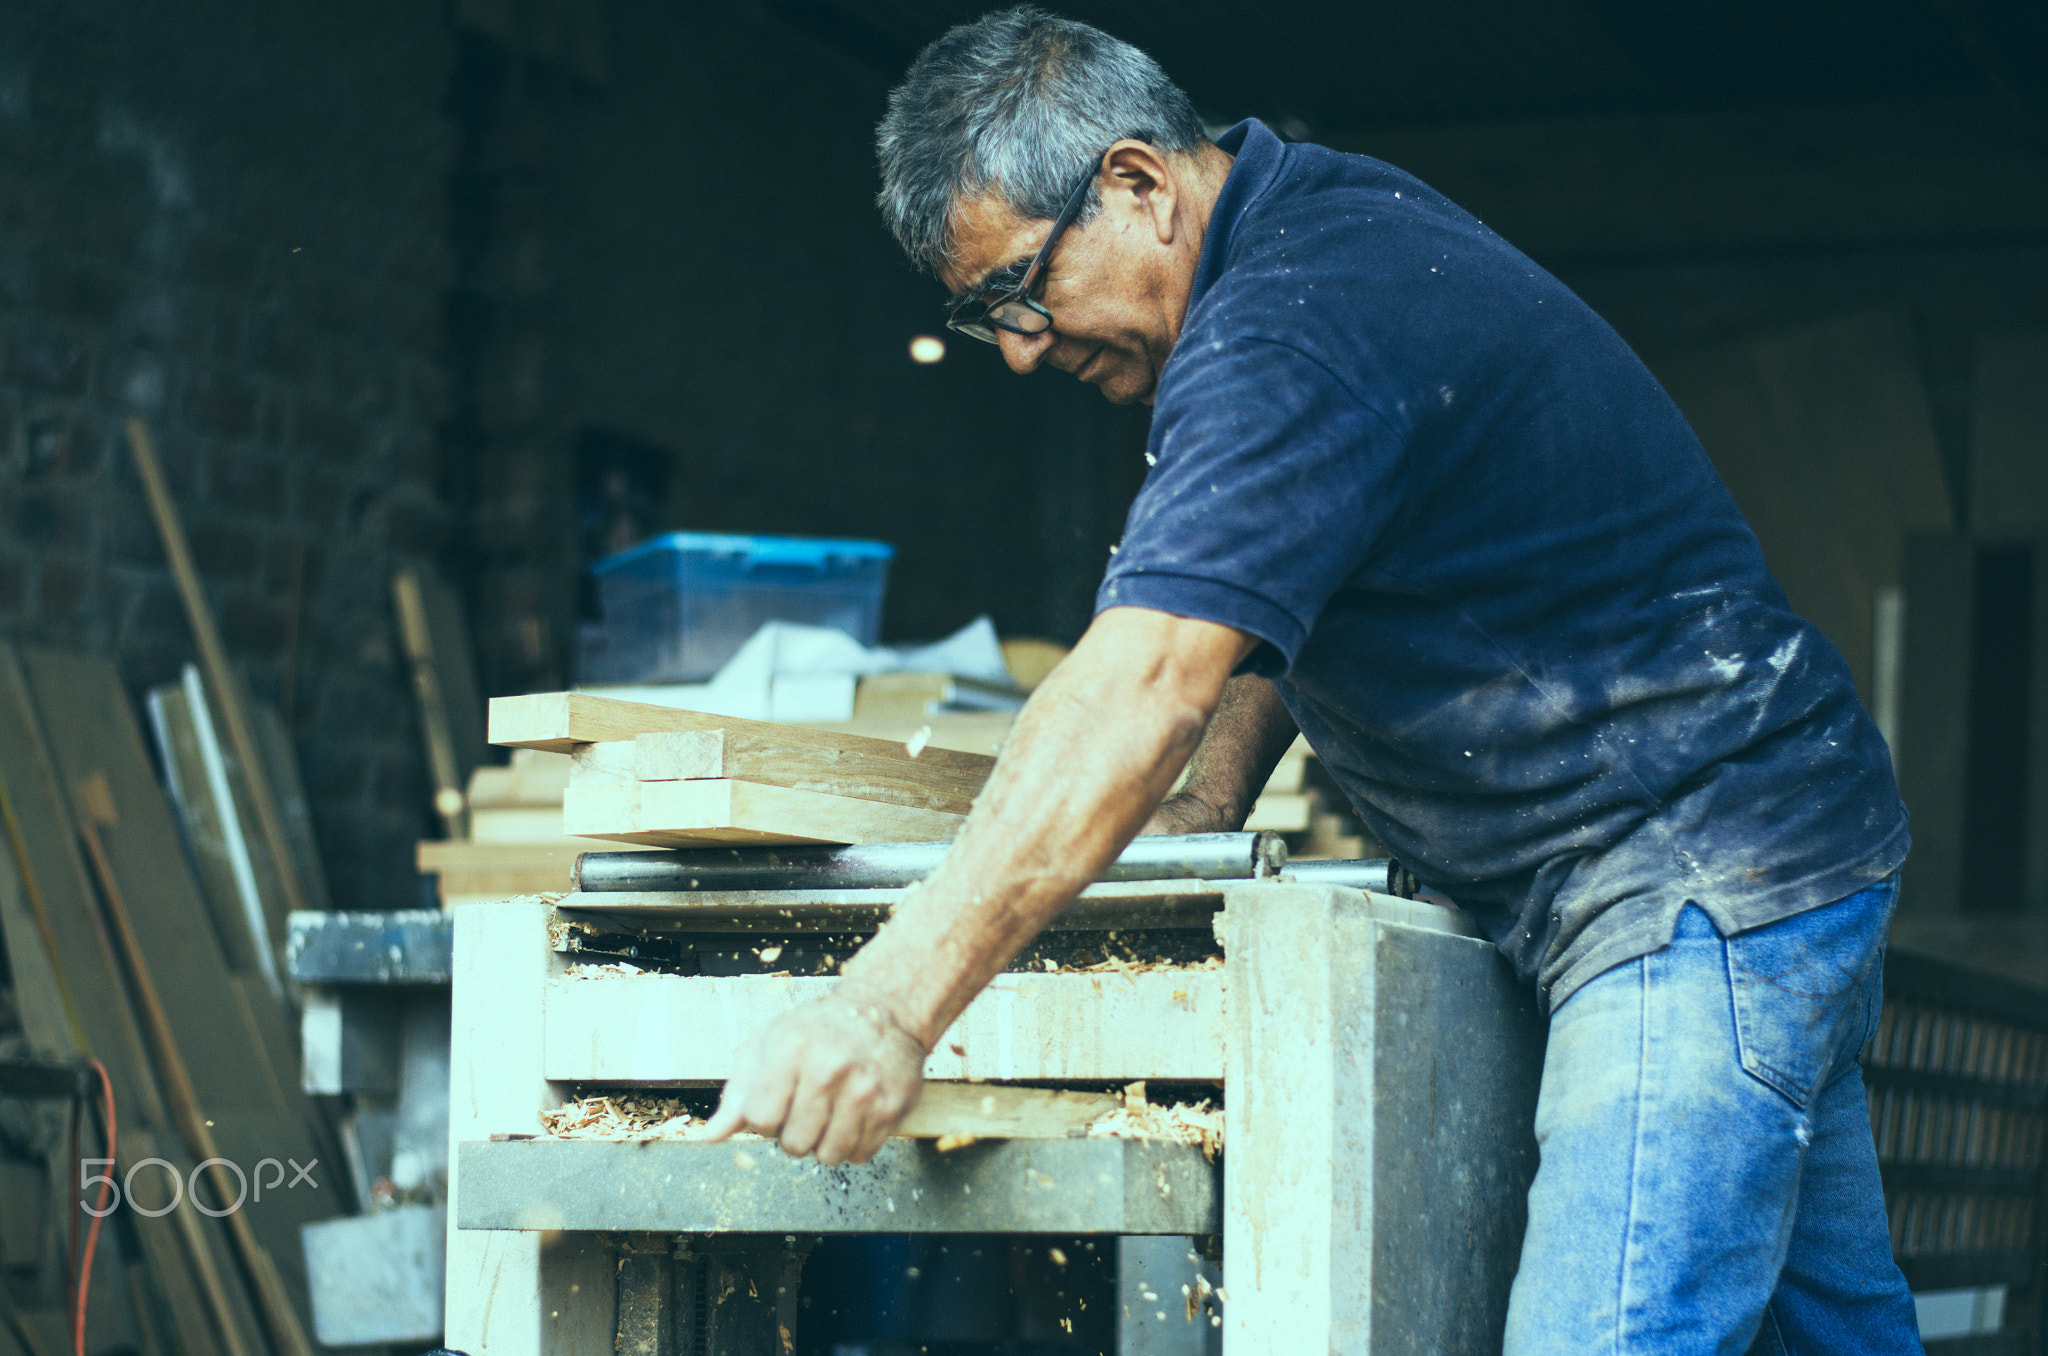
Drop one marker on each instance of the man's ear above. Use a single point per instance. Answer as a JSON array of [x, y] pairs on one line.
[[1137, 171]]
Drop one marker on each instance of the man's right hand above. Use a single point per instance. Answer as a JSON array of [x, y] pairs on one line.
[[833, 1077]]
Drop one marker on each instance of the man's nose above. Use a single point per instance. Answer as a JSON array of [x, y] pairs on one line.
[[1023, 352]]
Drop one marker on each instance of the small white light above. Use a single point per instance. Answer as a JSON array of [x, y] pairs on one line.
[[927, 348]]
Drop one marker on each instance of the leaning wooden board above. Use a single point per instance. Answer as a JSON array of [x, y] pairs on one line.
[[53, 875], [76, 1002], [90, 728], [852, 766]]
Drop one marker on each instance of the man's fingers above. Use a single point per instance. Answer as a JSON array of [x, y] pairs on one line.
[[850, 1119], [756, 1099], [731, 1116], [810, 1112]]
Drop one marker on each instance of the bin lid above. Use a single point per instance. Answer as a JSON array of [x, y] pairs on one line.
[[759, 550]]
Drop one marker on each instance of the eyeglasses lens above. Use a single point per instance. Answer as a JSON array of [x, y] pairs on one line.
[[1019, 318]]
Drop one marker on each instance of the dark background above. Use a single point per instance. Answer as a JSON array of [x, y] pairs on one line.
[[476, 285]]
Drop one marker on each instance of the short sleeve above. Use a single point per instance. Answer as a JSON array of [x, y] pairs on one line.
[[1270, 487]]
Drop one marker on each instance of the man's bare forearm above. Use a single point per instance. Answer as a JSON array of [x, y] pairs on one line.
[[1092, 754], [1250, 731]]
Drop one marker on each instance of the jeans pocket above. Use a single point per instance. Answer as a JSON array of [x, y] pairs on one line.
[[1806, 990]]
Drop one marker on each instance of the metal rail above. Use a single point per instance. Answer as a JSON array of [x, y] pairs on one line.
[[892, 866]]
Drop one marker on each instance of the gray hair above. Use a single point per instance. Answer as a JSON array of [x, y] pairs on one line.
[[1017, 103]]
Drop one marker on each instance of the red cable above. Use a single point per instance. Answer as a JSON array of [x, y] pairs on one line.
[[92, 1233], [71, 1220]]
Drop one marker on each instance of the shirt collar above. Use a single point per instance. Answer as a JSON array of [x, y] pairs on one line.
[[1258, 155]]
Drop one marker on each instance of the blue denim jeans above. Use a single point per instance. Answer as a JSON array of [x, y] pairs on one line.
[[1707, 1180]]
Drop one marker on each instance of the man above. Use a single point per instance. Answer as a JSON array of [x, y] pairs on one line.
[[1412, 497]]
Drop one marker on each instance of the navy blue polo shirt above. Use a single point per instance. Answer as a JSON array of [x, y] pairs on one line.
[[1495, 577]]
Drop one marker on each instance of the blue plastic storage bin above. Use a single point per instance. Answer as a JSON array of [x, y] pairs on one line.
[[677, 607]]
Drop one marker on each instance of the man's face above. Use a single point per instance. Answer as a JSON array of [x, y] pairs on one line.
[[1115, 289]]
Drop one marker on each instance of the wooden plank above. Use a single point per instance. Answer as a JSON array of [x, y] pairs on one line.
[[92, 734], [778, 755], [222, 867], [97, 811], [1000, 1111], [43, 1002], [679, 755], [534, 777], [260, 875], [516, 823], [455, 666], [38, 820], [184, 1250], [981, 732], [655, 1028], [682, 814], [443, 765], [213, 656]]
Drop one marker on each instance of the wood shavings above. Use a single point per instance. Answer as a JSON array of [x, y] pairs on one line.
[[562, 930], [1181, 1123], [625, 1117], [945, 1144], [1117, 965], [590, 970]]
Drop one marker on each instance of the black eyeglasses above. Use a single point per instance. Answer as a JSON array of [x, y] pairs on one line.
[[1013, 308]]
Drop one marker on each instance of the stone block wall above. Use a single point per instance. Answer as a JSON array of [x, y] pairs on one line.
[[230, 220]]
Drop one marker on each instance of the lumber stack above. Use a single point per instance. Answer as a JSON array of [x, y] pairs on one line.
[[589, 769], [116, 952], [663, 777]]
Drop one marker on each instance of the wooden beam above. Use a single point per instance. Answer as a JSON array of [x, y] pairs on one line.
[[1000, 1111], [213, 656], [436, 724], [655, 1028], [694, 813], [756, 751]]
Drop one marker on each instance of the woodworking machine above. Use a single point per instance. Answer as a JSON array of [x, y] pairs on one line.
[[1346, 1162]]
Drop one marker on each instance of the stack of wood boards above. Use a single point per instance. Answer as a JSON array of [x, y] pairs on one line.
[[515, 842], [632, 773], [115, 953], [664, 777]]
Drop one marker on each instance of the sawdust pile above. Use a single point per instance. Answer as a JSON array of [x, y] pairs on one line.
[[623, 1117], [1181, 1123], [626, 1117]]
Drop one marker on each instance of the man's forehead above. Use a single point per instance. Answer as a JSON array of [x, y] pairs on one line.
[[987, 236]]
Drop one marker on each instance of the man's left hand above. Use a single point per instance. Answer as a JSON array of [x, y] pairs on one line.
[[834, 1077]]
